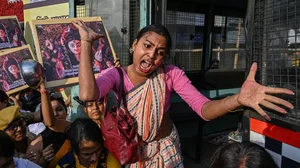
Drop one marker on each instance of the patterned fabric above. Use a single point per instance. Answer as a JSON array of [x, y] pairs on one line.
[[168, 155], [146, 104]]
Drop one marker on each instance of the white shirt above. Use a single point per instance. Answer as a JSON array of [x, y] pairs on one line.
[[36, 128]]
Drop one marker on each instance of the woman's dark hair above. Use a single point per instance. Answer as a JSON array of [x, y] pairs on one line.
[[159, 29], [242, 155], [3, 96], [61, 101], [7, 146], [83, 129], [53, 96]]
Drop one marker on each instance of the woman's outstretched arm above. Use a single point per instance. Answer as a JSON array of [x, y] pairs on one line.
[[252, 95]]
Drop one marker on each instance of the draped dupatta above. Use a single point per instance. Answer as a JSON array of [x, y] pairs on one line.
[[146, 102]]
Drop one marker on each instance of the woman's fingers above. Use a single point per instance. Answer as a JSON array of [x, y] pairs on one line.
[[75, 24], [261, 112], [100, 36], [272, 106], [50, 157], [252, 73], [274, 90], [80, 23], [279, 101], [48, 150], [47, 153]]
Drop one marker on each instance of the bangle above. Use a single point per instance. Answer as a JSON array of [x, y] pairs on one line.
[[44, 91], [86, 40], [226, 106]]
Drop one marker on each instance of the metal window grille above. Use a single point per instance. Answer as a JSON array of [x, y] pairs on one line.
[[229, 42], [80, 8], [121, 19], [273, 39], [134, 21], [187, 31]]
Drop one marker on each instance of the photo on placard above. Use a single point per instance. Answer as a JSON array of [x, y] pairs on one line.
[[11, 34], [58, 49], [11, 79]]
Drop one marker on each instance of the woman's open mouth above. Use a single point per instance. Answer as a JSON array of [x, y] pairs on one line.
[[145, 66]]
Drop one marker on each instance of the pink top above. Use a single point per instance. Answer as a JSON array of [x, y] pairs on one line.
[[175, 80]]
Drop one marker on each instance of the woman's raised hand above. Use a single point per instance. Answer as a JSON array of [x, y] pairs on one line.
[[253, 95], [86, 33]]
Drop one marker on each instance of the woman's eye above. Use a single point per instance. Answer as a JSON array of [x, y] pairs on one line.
[[161, 53], [59, 109], [147, 45]]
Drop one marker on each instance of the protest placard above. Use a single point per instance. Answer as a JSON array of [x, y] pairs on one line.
[[58, 49]]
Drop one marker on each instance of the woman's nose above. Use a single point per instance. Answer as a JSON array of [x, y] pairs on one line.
[[94, 157], [152, 53], [95, 106]]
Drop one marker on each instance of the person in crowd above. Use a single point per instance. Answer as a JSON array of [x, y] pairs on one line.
[[7, 158], [31, 118], [51, 141], [50, 146], [95, 110], [79, 108], [87, 147], [149, 84], [29, 99], [14, 126], [242, 155]]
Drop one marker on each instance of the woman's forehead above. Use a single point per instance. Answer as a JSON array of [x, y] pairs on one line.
[[55, 103], [89, 145], [152, 34], [154, 38]]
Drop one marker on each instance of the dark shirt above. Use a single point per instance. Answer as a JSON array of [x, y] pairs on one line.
[[52, 137]]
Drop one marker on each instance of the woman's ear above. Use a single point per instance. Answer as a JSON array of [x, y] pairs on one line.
[[134, 45]]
